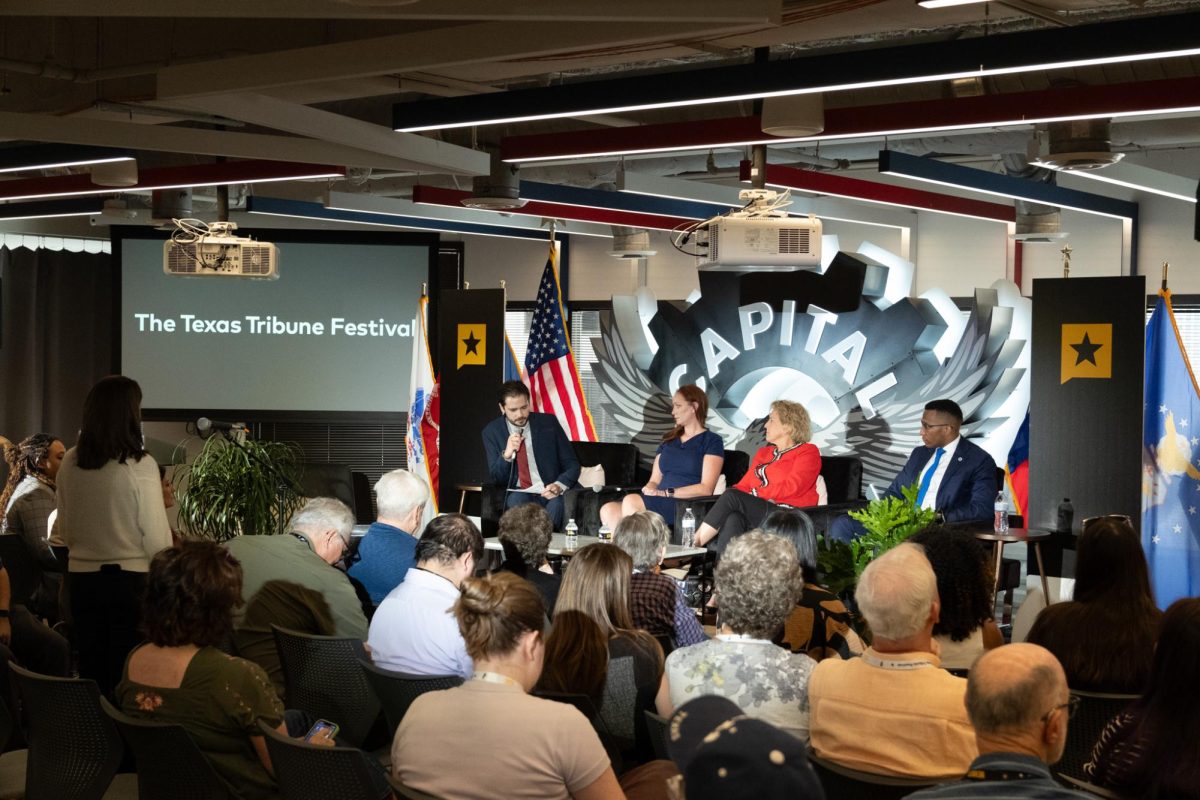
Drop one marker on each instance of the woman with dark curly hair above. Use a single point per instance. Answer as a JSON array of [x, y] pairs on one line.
[[965, 627], [180, 676], [1105, 635], [27, 501]]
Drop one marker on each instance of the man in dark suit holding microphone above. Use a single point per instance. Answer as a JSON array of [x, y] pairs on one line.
[[955, 477], [529, 453]]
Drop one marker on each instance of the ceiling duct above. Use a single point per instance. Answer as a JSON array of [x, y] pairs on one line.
[[1078, 145], [1036, 223], [794, 115], [171, 204], [631, 243], [497, 191]]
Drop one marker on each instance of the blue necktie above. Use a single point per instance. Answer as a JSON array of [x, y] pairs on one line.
[[929, 477]]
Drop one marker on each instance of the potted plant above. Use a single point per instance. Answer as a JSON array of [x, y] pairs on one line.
[[231, 490], [889, 521]]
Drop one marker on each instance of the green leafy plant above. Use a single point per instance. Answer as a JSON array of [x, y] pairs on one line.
[[229, 493], [889, 521]]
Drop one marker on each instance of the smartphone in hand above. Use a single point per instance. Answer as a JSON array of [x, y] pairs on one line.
[[322, 732]]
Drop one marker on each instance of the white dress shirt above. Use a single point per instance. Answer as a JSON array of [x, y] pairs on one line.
[[414, 629], [930, 500]]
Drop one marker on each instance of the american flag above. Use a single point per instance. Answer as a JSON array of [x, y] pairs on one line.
[[554, 385]]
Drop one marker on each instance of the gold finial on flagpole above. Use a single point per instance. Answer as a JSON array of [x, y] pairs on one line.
[[502, 283], [553, 231], [424, 288], [1066, 253], [1166, 266]]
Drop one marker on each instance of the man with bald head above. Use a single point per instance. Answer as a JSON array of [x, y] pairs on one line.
[[893, 711], [1018, 702]]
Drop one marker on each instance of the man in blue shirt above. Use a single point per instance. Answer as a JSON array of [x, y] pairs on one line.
[[387, 550], [1017, 700]]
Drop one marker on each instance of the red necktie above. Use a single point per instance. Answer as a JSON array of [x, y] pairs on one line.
[[523, 479]]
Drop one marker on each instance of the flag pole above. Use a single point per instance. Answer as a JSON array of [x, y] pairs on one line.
[[1166, 266]]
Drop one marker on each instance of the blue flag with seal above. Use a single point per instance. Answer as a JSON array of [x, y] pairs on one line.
[[1170, 444]]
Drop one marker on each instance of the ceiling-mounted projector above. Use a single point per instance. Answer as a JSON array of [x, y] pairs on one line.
[[760, 237], [197, 249]]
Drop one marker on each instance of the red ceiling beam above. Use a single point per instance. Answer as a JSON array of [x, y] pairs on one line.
[[856, 189], [1014, 107], [224, 172], [435, 195]]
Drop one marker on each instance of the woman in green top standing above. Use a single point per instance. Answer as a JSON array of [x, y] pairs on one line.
[[180, 676]]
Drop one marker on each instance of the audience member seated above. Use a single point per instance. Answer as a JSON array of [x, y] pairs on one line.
[[656, 600], [34, 645], [725, 755], [1017, 700], [414, 630], [489, 738], [529, 454], [1150, 751], [784, 473], [525, 533], [111, 518], [892, 711], [594, 649], [758, 582], [954, 476], [687, 463], [180, 676], [27, 501], [1105, 637], [966, 626], [386, 551], [291, 581], [819, 625]]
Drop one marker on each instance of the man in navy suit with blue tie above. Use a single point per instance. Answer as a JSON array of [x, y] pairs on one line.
[[955, 477], [529, 453]]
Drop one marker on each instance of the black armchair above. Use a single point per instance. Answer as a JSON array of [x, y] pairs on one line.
[[582, 505], [843, 489]]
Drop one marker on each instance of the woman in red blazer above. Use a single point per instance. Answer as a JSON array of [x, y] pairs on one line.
[[784, 473]]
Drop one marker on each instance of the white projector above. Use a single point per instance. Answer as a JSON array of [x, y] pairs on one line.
[[762, 244], [216, 255]]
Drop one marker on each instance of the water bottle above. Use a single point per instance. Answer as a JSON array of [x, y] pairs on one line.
[[1066, 515], [688, 525], [572, 542], [1000, 525], [605, 533]]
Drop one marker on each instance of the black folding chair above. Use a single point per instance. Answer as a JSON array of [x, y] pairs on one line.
[[1095, 711], [397, 690], [323, 676], [314, 772], [845, 783], [169, 764], [74, 748]]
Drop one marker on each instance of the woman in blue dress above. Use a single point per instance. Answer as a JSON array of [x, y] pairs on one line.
[[687, 463]]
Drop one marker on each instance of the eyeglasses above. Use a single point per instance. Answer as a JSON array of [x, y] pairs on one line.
[[925, 426], [1128, 520], [1070, 706]]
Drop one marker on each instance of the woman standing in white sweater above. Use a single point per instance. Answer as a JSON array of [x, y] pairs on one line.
[[112, 519]]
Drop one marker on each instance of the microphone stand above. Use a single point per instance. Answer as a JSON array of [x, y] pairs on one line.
[[282, 482]]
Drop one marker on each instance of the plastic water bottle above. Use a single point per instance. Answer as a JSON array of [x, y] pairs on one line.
[[572, 529], [1066, 515], [1001, 507], [688, 525]]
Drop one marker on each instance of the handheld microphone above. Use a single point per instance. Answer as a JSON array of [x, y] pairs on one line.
[[204, 425]]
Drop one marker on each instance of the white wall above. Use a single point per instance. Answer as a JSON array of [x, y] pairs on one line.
[[957, 254]]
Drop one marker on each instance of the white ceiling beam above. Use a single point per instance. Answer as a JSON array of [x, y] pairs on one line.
[[68, 130], [412, 52], [270, 112], [741, 11]]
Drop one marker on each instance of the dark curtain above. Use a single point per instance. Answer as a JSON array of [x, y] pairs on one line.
[[58, 337]]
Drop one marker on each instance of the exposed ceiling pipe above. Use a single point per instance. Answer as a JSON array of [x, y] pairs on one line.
[[44, 69], [1034, 220]]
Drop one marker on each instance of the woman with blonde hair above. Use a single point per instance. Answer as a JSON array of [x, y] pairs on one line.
[[687, 463], [489, 737], [594, 649], [782, 474]]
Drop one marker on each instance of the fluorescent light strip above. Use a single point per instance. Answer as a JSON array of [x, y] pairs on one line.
[[961, 186], [865, 135], [884, 203], [947, 3], [727, 206], [835, 87], [505, 221], [64, 164], [386, 225], [50, 216], [1143, 179], [155, 186]]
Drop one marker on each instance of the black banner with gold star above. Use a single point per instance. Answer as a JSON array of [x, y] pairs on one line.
[[1085, 434], [470, 366]]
